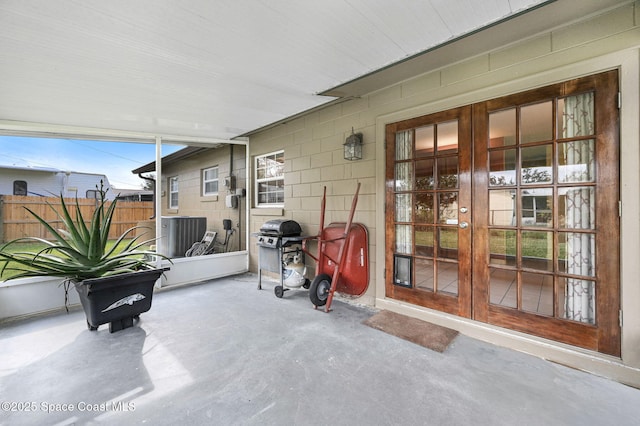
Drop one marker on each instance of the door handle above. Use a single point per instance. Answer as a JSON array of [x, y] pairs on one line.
[[464, 225]]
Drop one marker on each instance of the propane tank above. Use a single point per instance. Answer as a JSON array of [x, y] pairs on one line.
[[294, 271]]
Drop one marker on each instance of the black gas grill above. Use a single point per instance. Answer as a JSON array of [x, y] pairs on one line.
[[277, 238], [280, 228]]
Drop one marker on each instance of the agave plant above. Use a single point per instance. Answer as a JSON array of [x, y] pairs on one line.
[[80, 251]]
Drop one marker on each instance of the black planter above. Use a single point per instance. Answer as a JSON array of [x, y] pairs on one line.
[[118, 299]]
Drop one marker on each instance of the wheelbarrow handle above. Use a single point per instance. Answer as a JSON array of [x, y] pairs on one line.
[[306, 250], [337, 272], [323, 206]]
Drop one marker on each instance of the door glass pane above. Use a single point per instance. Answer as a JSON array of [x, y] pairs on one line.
[[424, 174], [448, 247], [447, 172], [424, 274], [576, 161], [577, 207], [424, 208], [403, 207], [577, 253], [537, 207], [448, 278], [448, 208], [425, 145], [503, 288], [403, 239], [424, 240], [537, 250], [448, 137], [537, 164], [579, 300], [502, 128], [502, 245], [576, 116], [404, 145], [404, 176], [537, 293], [536, 122], [502, 207], [502, 167]]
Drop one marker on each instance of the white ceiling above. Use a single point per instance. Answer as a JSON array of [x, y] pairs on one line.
[[210, 68]]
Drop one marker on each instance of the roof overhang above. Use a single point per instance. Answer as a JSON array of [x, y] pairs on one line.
[[172, 158], [220, 70]]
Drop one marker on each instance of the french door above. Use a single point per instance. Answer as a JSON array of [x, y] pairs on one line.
[[506, 211], [429, 209]]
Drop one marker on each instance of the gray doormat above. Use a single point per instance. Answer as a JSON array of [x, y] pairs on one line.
[[423, 333]]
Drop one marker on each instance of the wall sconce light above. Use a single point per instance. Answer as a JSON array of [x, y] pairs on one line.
[[353, 146]]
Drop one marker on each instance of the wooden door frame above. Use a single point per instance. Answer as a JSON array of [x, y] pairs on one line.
[[605, 336], [459, 305]]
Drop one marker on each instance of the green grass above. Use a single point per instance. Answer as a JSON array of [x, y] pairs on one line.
[[535, 244], [502, 242], [448, 238], [34, 248]]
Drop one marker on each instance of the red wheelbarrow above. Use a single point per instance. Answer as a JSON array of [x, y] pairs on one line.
[[342, 262]]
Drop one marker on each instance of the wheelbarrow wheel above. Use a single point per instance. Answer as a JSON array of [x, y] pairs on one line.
[[319, 289], [279, 291]]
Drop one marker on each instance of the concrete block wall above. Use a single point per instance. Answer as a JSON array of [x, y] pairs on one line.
[[190, 199], [314, 160], [313, 142]]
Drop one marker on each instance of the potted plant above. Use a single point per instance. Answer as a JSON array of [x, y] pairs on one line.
[[114, 281]]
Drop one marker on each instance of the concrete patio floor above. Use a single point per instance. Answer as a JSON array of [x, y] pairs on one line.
[[224, 353]]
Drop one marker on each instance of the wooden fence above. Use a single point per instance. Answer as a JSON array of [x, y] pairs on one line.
[[17, 222]]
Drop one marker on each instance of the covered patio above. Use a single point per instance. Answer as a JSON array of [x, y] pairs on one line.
[[223, 352], [290, 85]]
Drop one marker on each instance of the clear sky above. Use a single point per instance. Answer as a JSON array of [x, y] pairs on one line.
[[113, 159]]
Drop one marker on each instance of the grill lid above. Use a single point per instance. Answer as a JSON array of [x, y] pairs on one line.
[[281, 228]]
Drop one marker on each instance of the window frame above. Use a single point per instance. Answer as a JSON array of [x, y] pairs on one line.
[[171, 191], [19, 184], [258, 181], [204, 181]]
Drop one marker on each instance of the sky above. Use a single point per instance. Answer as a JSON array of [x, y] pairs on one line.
[[113, 159]]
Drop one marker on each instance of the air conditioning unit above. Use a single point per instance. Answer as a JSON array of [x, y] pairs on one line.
[[179, 233]]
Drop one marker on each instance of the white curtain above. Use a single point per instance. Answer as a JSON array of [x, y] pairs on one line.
[[578, 120], [404, 182], [404, 145]]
